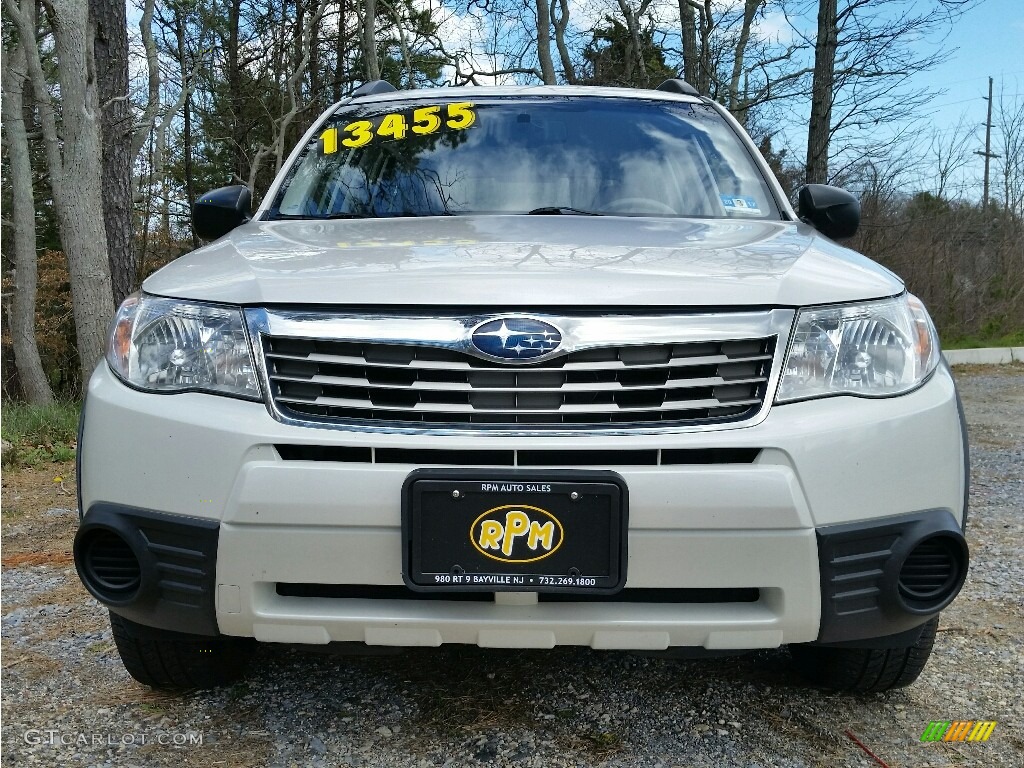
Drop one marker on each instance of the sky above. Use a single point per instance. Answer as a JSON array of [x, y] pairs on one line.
[[990, 42]]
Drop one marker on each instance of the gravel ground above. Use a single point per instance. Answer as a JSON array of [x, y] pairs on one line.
[[68, 701]]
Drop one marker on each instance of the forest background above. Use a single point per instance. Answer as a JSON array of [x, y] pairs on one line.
[[117, 115]]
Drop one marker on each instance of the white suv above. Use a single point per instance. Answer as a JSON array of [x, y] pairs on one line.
[[518, 368]]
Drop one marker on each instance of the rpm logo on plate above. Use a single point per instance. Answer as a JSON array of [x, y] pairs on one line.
[[516, 533]]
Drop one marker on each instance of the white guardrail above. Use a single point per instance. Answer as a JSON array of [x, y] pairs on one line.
[[984, 356]]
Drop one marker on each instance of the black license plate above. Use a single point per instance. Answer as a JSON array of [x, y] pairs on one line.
[[511, 532]]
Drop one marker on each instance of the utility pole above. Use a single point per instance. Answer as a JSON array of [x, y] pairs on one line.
[[988, 154]]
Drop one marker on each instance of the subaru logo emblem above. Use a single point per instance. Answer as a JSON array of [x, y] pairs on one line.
[[516, 339]]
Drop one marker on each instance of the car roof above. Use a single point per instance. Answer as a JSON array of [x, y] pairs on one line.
[[481, 91]]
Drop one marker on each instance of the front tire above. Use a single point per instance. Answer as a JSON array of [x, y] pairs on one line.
[[175, 661], [865, 670]]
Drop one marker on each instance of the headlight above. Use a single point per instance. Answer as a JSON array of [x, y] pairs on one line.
[[875, 349], [167, 345]]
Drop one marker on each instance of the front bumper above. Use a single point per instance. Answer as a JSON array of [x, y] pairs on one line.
[[726, 524]]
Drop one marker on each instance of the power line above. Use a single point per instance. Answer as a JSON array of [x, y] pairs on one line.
[[972, 98], [982, 77]]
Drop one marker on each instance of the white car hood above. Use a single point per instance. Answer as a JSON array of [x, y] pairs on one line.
[[524, 262]]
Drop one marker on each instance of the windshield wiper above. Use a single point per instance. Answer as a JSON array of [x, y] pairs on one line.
[[327, 217], [556, 210], [309, 217]]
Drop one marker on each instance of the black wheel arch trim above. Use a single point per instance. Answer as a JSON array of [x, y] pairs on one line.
[[177, 557], [860, 571]]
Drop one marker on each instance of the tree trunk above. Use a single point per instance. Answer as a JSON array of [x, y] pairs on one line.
[[819, 128], [403, 44], [561, 22], [291, 137], [735, 105], [403, 47], [370, 40], [688, 24], [339, 53], [111, 51], [299, 25], [34, 384], [186, 121], [152, 80], [293, 84], [705, 69], [632, 19], [315, 72], [547, 66], [159, 162], [75, 166], [235, 91]]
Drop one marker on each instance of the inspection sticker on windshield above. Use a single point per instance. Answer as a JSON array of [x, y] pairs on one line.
[[458, 115], [740, 204]]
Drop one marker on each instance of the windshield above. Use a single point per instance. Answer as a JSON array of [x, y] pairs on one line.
[[545, 155]]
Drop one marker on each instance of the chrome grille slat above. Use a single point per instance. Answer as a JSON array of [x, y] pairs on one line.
[[457, 408], [451, 386], [478, 365], [612, 373]]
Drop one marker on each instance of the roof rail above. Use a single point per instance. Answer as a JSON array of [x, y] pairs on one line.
[[676, 85], [372, 88]]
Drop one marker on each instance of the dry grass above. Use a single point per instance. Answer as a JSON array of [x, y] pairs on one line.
[[21, 559]]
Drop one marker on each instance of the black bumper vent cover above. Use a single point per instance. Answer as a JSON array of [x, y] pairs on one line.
[[930, 570], [886, 576], [111, 564], [154, 568]]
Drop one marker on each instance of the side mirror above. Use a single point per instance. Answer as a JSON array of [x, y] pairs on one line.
[[218, 212], [832, 211]]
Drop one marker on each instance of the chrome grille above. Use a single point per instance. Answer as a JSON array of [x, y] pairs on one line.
[[625, 384]]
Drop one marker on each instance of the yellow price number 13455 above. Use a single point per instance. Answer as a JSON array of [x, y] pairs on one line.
[[425, 120]]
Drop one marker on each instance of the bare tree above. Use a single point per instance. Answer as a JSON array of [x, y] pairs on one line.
[[233, 73], [152, 107], [22, 311], [501, 46], [688, 32], [822, 92], [864, 55], [733, 97], [560, 20], [295, 77], [698, 22], [74, 159], [632, 18], [725, 57], [547, 66], [369, 40], [1009, 122], [948, 154], [111, 53], [403, 43], [186, 115]]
